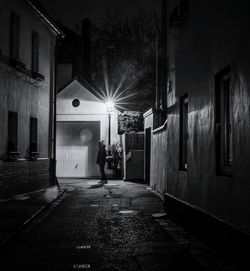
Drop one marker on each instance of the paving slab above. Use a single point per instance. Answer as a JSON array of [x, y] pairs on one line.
[[109, 228]]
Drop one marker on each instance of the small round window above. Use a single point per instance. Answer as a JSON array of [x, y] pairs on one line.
[[75, 102]]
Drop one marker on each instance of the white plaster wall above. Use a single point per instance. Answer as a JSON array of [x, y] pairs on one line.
[[19, 93], [90, 109], [195, 58]]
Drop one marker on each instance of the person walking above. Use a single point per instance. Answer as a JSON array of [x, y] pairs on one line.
[[101, 161]]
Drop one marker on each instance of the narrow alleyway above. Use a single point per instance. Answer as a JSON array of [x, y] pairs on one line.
[[111, 227]]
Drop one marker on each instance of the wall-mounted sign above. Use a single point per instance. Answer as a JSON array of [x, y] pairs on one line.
[[130, 122]]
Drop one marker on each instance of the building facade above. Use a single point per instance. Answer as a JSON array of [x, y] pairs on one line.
[[27, 44], [204, 146], [82, 121]]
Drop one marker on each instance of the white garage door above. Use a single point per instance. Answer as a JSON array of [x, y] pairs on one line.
[[72, 161], [77, 147]]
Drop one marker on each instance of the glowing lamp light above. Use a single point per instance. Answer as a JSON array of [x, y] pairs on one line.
[[110, 106]]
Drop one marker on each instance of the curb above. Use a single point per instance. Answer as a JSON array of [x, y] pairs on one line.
[[161, 196], [6, 240]]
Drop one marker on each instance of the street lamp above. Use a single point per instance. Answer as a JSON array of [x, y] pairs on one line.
[[110, 108]]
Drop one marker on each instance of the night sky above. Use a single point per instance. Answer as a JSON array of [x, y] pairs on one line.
[[72, 12]]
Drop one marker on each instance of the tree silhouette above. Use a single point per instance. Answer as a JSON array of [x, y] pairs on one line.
[[124, 58]]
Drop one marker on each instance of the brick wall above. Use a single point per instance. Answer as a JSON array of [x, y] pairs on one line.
[[23, 176]]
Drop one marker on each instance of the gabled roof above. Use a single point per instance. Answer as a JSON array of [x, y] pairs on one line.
[[85, 84], [44, 16]]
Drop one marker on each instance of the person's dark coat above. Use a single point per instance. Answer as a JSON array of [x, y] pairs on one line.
[[101, 156]]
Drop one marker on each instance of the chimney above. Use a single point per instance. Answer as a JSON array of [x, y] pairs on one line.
[[86, 48]]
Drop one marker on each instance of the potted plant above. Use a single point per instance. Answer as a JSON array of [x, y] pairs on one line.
[[115, 158], [34, 154], [13, 154]]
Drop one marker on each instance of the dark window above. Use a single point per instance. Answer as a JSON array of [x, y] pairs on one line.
[[35, 51], [75, 102], [224, 120], [183, 132], [33, 134], [12, 131], [14, 36]]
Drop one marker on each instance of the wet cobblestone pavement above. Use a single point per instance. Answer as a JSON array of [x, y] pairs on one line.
[[92, 227]]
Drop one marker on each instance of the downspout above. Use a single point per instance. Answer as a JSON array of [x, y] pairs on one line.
[[53, 178], [54, 113]]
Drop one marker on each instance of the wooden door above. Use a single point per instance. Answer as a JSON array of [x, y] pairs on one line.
[[147, 155]]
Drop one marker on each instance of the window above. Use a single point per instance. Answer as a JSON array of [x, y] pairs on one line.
[[14, 36], [12, 132], [183, 133], [33, 134], [224, 120], [35, 51], [76, 102]]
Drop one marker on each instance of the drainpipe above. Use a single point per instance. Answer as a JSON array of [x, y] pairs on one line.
[[54, 113], [53, 178]]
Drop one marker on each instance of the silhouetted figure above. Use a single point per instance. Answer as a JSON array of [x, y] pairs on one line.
[[101, 161]]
